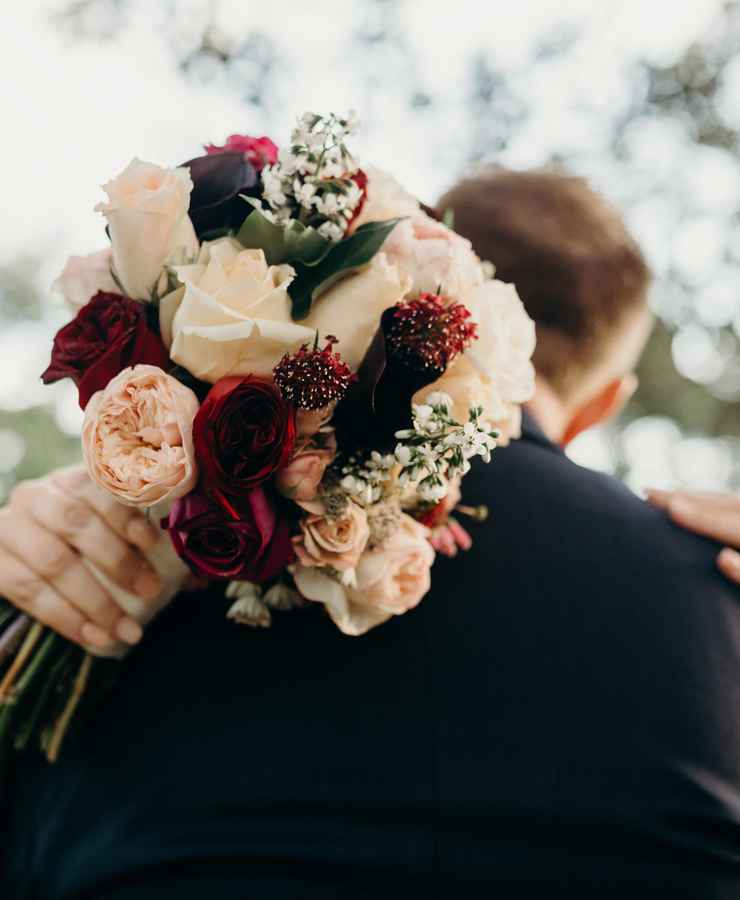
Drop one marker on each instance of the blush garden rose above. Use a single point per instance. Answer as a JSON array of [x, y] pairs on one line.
[[137, 437]]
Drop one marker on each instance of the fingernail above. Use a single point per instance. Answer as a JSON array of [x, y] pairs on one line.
[[129, 630], [729, 559], [142, 533], [147, 585], [95, 636]]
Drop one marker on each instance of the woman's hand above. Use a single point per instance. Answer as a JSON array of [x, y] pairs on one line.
[[47, 528], [715, 516]]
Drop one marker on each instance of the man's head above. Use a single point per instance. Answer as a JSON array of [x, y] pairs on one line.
[[581, 277]]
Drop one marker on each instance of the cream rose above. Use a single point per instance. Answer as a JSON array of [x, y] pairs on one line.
[[386, 199], [137, 437], [147, 213], [390, 580], [83, 276], [336, 541], [496, 371], [351, 309], [232, 314], [435, 258]]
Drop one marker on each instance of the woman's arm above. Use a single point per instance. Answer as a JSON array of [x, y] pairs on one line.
[[46, 530], [713, 515]]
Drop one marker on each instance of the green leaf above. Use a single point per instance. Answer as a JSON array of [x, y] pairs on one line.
[[342, 259], [448, 218], [291, 243]]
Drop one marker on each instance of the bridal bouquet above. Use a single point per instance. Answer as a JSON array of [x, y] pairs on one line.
[[290, 362]]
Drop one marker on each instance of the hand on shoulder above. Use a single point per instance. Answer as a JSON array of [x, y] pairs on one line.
[[715, 516]]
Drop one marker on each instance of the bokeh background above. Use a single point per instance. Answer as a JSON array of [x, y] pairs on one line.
[[642, 98]]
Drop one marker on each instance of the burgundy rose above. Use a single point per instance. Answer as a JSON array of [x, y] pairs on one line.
[[254, 546], [106, 336], [243, 432], [259, 151]]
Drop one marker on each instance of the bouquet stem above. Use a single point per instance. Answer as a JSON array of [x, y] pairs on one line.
[[32, 638], [43, 680], [61, 726]]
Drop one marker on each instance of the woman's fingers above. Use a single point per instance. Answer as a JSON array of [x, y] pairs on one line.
[[54, 569], [128, 523], [713, 515], [729, 564], [663, 498], [29, 592], [77, 523]]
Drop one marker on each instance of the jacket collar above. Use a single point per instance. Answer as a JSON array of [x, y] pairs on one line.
[[532, 431]]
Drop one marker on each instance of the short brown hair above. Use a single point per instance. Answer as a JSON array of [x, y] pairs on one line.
[[579, 272]]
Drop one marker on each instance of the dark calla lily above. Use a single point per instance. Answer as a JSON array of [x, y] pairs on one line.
[[218, 181]]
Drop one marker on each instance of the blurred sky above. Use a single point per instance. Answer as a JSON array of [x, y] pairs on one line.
[[83, 95]]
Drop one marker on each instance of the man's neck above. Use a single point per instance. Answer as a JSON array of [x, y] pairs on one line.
[[549, 410]]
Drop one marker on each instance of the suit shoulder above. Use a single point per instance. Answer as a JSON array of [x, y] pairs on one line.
[[530, 483]]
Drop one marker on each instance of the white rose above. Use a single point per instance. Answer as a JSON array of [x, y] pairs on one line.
[[435, 258], [83, 276], [232, 315], [496, 371], [352, 308], [147, 213], [385, 199]]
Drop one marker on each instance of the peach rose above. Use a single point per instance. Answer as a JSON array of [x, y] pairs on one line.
[[309, 421], [83, 276], [147, 213], [350, 618], [390, 581], [496, 371], [435, 258], [137, 437], [397, 575], [300, 479], [336, 541]]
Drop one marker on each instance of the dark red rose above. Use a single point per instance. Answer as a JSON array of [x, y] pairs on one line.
[[254, 546], [259, 151], [107, 335], [243, 432]]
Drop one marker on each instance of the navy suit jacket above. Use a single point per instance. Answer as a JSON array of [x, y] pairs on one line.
[[559, 717]]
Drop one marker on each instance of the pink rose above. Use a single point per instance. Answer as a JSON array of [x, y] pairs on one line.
[[259, 151], [83, 276], [137, 437], [397, 575], [309, 421], [437, 260], [300, 479], [336, 541], [447, 539]]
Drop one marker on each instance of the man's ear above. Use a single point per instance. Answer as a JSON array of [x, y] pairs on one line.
[[608, 403]]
